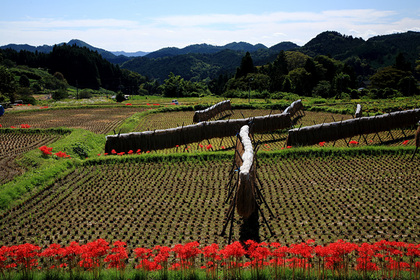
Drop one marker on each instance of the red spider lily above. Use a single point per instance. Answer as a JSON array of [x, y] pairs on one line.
[[113, 152], [144, 255], [130, 152], [338, 256], [71, 255], [288, 147], [128, 104], [258, 253], [353, 142], [161, 260], [52, 255], [233, 254], [156, 104], [322, 143], [148, 104], [45, 150], [211, 253], [25, 257], [62, 154], [201, 146], [25, 126], [93, 254], [186, 255], [118, 256], [121, 153], [162, 255], [6, 262], [138, 151], [12, 126], [366, 252], [209, 146], [405, 142], [222, 147], [1, 126]]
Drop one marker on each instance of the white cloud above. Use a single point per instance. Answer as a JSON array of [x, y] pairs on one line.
[[218, 29]]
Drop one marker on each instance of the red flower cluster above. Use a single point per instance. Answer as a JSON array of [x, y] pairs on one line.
[[45, 150], [353, 142], [389, 259], [62, 154], [405, 142], [25, 126]]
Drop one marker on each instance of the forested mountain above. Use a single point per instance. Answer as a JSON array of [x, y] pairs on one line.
[[80, 66], [200, 62], [379, 51], [327, 65], [205, 49], [117, 59]]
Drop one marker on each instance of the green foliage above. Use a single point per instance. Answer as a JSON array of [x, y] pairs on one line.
[[59, 94], [25, 94], [246, 67], [24, 81], [85, 94], [80, 150], [7, 84], [175, 86], [79, 67]]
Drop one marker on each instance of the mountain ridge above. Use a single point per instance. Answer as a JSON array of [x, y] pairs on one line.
[[113, 56]]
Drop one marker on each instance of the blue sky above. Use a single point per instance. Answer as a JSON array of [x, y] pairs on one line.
[[150, 25]]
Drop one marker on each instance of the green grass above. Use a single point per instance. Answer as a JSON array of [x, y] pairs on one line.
[[44, 171], [200, 274]]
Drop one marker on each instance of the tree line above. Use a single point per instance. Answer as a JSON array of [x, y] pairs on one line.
[[321, 76], [290, 72]]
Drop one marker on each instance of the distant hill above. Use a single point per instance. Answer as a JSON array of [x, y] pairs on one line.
[[379, 51], [284, 46], [201, 61], [26, 47], [198, 62], [130, 54], [205, 49], [47, 49]]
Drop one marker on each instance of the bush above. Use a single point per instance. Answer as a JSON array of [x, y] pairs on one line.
[[284, 95], [59, 94], [120, 97], [28, 99], [85, 94]]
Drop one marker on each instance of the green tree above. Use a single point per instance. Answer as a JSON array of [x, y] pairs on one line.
[[387, 77], [173, 86], [59, 94], [341, 83], [24, 81], [401, 63], [277, 72], [300, 80], [322, 89], [247, 66], [408, 86], [7, 85]]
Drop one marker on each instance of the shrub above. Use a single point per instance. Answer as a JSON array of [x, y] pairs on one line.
[[85, 94], [59, 94]]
